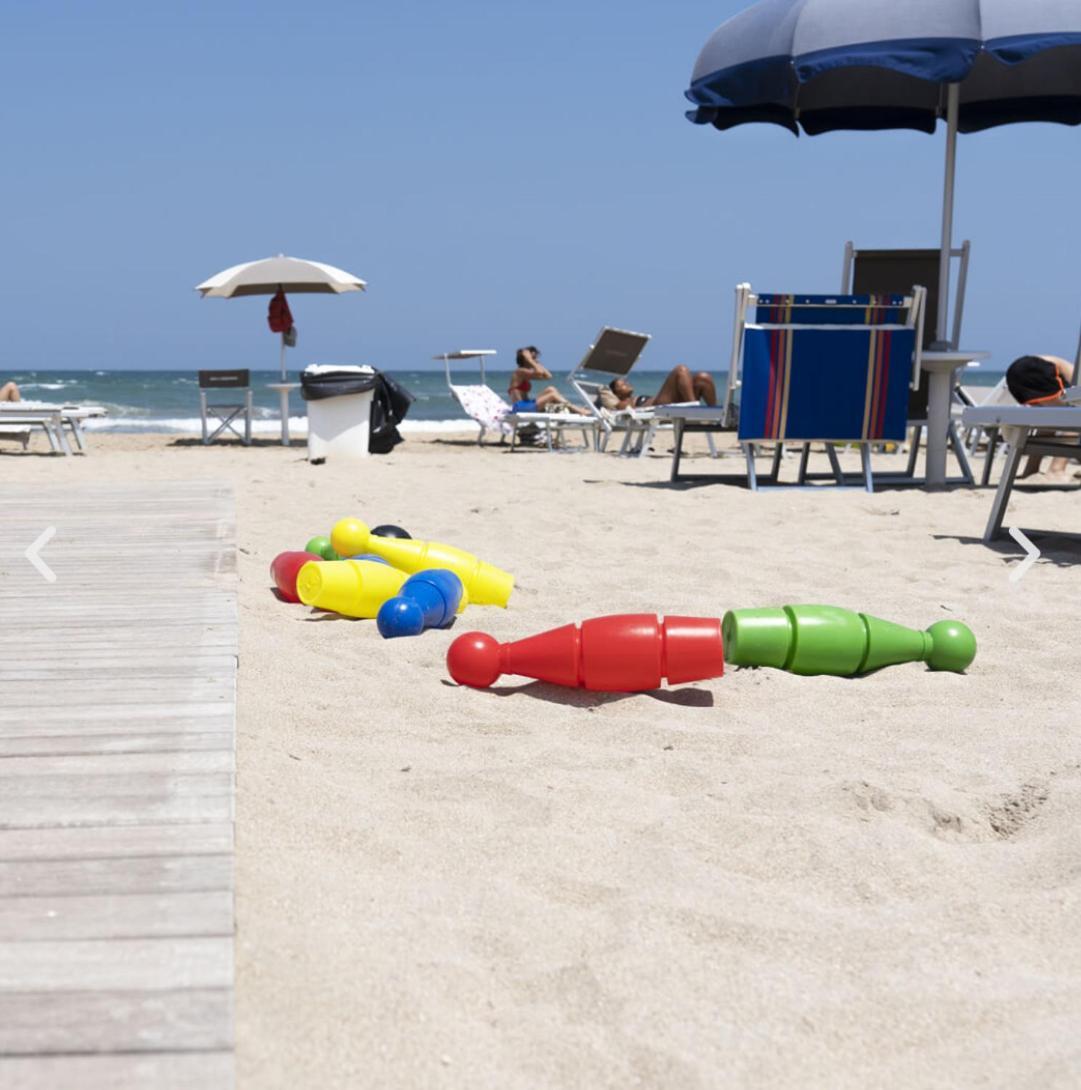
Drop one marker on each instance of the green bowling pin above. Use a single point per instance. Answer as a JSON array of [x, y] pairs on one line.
[[829, 640]]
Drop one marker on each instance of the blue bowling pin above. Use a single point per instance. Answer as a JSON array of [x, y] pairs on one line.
[[428, 599]]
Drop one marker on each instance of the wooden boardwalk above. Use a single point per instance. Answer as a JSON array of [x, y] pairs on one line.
[[117, 727]]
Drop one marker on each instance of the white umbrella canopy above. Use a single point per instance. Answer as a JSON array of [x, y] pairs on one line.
[[273, 274], [289, 274]]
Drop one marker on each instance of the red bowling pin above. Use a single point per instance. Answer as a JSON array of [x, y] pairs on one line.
[[626, 653]]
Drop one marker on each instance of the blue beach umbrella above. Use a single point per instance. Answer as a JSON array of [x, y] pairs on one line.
[[823, 65]]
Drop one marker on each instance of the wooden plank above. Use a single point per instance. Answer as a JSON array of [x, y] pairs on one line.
[[114, 764], [109, 842], [121, 724], [96, 785], [117, 737], [84, 744], [36, 812], [147, 713], [154, 1071], [116, 965], [96, 877], [116, 916], [122, 1021]]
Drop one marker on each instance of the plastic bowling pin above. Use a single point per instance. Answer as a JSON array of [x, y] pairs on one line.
[[284, 569], [830, 640], [484, 583], [428, 599], [626, 653], [354, 588], [321, 547]]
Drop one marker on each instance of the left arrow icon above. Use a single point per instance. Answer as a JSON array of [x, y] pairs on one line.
[[33, 554]]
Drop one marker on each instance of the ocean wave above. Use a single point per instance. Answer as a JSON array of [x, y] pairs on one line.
[[298, 425], [46, 385]]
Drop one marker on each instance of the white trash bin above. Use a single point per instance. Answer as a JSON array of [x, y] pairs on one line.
[[338, 423]]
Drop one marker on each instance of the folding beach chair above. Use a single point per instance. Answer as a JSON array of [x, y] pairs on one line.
[[612, 355], [895, 272], [492, 412], [237, 382], [829, 369]]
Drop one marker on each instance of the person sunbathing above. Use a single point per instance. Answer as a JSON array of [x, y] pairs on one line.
[[10, 392], [679, 385], [527, 369], [1040, 380]]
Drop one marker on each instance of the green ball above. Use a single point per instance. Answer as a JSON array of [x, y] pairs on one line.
[[953, 646], [321, 547]]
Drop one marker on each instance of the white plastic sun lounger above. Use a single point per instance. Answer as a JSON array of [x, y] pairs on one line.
[[52, 420], [491, 412], [612, 355]]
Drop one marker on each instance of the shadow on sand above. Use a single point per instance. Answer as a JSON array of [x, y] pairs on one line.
[[585, 698]]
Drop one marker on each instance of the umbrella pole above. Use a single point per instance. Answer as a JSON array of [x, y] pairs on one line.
[[953, 98], [282, 360]]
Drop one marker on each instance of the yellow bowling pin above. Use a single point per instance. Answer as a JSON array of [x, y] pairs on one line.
[[354, 588], [484, 583]]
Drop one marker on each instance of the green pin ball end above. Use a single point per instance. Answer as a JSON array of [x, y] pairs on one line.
[[953, 646], [321, 547]]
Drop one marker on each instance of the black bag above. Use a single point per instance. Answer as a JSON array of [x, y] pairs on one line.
[[390, 404]]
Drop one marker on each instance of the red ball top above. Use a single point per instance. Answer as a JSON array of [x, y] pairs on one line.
[[473, 659]]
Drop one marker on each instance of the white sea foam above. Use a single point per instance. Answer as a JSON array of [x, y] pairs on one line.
[[298, 425]]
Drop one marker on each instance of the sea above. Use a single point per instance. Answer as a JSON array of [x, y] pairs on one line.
[[168, 401]]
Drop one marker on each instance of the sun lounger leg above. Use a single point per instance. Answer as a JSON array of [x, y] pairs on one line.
[[647, 439], [677, 449], [914, 450], [775, 465], [711, 444], [961, 453], [1005, 487], [65, 446], [865, 459], [752, 477], [804, 454], [77, 435], [835, 465], [992, 448]]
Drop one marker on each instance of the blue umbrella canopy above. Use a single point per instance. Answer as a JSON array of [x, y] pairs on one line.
[[821, 65]]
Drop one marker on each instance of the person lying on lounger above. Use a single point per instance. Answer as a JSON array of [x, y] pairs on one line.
[[10, 392], [679, 385], [528, 368], [1040, 380]]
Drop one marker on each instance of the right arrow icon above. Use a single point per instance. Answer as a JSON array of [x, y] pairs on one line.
[[1032, 555]]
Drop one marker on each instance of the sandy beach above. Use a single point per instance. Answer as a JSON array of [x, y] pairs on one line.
[[762, 880]]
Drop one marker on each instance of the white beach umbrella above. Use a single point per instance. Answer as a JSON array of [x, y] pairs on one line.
[[281, 273], [271, 274]]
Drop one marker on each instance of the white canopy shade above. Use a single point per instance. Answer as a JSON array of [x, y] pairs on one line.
[[290, 274]]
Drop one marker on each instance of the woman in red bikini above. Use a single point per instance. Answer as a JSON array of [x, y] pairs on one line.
[[527, 368]]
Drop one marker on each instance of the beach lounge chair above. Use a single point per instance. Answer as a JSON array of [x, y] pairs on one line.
[[895, 272], [613, 355], [493, 413], [237, 382], [16, 433], [55, 421], [829, 369], [1029, 430]]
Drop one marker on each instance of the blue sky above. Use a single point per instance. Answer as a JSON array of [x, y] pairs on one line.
[[501, 173]]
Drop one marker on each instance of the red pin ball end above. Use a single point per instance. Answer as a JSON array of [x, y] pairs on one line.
[[473, 659]]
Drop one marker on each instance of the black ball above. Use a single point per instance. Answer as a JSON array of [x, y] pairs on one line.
[[391, 531]]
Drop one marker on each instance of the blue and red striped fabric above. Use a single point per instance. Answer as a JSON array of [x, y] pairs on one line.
[[833, 384]]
